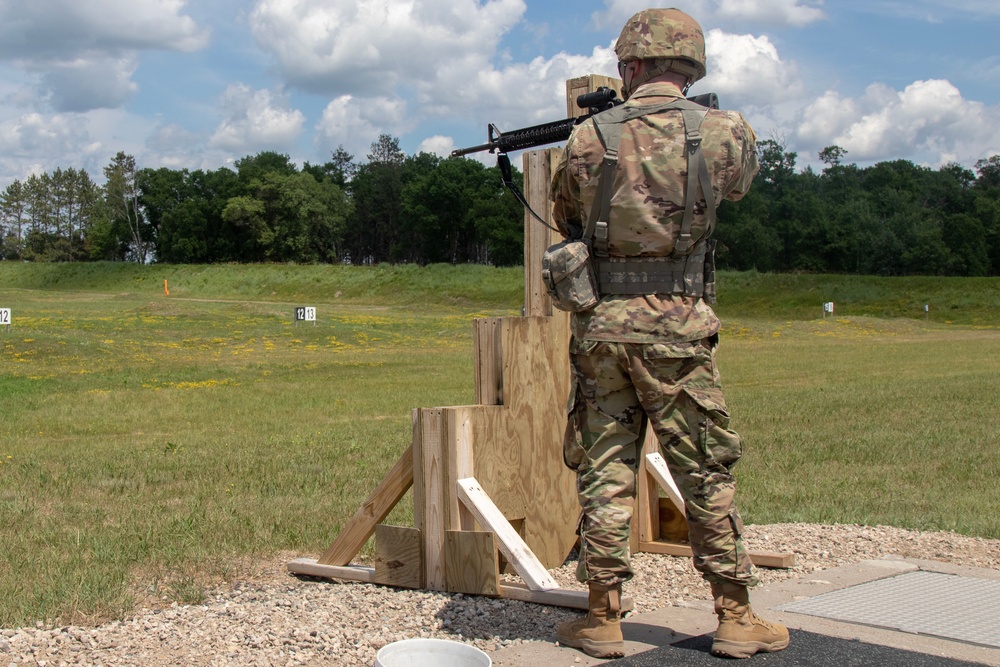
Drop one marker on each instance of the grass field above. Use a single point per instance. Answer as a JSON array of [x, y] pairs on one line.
[[150, 445]]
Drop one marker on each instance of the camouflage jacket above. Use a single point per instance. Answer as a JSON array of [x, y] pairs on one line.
[[647, 206]]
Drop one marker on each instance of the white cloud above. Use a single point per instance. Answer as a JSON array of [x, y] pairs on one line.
[[371, 47], [63, 29], [89, 83], [437, 145], [355, 122], [255, 120], [928, 121], [747, 70], [35, 143], [33, 134], [85, 53], [771, 12]]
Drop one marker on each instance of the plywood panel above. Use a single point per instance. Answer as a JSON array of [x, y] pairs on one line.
[[488, 361], [472, 563], [397, 557]]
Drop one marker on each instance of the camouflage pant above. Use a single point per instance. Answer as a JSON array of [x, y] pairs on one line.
[[677, 386]]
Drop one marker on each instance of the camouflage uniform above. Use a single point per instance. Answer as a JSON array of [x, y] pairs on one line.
[[652, 356]]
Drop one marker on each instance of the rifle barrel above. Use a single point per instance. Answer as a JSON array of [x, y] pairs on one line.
[[459, 152]]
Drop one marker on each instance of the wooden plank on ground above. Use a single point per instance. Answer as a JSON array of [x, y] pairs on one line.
[[561, 597], [513, 547], [310, 567], [471, 563], [378, 505], [398, 560], [759, 558]]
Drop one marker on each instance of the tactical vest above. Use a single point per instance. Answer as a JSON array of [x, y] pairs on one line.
[[690, 269]]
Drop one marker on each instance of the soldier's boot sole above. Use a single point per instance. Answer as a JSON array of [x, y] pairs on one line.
[[594, 648], [732, 649]]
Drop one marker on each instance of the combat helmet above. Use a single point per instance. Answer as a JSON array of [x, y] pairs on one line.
[[669, 36]]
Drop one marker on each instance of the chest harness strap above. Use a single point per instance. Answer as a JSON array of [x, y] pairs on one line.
[[690, 269]]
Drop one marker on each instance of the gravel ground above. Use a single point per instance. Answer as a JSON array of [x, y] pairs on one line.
[[278, 619]]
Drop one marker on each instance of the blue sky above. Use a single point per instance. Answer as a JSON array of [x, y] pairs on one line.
[[199, 85]]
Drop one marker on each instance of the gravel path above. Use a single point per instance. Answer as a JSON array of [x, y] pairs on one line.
[[281, 620]]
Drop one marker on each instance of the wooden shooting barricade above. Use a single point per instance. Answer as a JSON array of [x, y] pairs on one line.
[[490, 489]]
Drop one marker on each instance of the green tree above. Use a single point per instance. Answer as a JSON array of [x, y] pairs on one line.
[[373, 232], [832, 156], [339, 169], [128, 224], [291, 218], [186, 208], [13, 219]]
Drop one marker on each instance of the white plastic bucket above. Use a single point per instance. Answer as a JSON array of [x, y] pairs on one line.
[[430, 653]]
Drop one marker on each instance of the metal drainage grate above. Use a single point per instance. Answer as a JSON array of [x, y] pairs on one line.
[[926, 603]]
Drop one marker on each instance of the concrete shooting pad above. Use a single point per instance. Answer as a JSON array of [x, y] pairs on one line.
[[926, 603], [890, 612]]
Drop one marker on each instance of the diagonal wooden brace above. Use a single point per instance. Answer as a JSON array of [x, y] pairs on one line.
[[510, 543]]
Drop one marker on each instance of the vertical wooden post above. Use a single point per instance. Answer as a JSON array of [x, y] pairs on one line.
[[538, 166]]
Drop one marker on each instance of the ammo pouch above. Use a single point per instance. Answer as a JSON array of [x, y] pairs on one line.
[[568, 275]]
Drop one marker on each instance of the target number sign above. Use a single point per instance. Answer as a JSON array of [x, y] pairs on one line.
[[4, 317], [305, 314]]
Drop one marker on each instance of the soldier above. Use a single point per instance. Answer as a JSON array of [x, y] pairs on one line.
[[646, 350]]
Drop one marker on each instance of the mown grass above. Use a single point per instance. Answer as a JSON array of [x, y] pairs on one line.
[[150, 444]]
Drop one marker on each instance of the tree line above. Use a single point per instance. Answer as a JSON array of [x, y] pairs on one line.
[[892, 218], [392, 208]]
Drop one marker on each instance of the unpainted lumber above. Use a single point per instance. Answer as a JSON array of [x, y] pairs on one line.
[[372, 512], [510, 543]]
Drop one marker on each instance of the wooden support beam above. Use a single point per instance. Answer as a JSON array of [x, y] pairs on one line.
[[758, 558], [560, 597], [513, 547], [656, 466], [646, 518], [538, 166], [310, 567], [374, 510], [460, 463], [430, 465]]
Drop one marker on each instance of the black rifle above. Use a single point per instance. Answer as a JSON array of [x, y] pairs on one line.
[[502, 143], [549, 133]]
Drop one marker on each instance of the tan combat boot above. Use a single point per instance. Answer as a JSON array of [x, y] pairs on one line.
[[599, 633], [742, 633]]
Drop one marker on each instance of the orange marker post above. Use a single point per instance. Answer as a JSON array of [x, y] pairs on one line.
[[165, 289]]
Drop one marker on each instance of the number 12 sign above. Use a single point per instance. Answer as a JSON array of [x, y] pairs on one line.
[[4, 317]]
